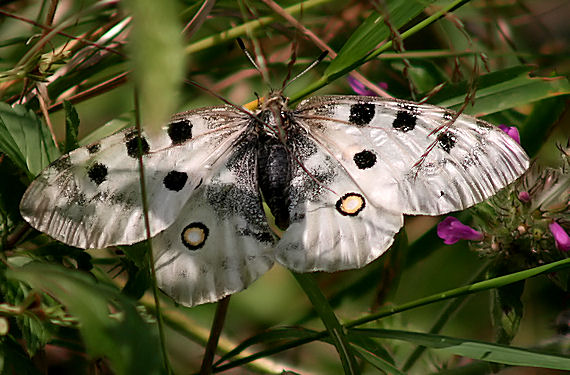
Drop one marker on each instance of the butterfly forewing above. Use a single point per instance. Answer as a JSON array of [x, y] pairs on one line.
[[91, 197], [413, 158]]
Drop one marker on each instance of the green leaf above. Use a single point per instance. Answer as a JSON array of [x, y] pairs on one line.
[[372, 352], [158, 59], [25, 140], [108, 321], [117, 124], [373, 31], [325, 312], [348, 63], [503, 89], [267, 337], [34, 332], [71, 127], [138, 269], [474, 349]]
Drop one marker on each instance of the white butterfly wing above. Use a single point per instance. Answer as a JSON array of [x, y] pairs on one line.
[[91, 198], [391, 149], [334, 226], [221, 242]]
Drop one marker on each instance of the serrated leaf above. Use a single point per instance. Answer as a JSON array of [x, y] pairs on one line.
[[109, 322], [475, 349], [25, 140], [34, 332]]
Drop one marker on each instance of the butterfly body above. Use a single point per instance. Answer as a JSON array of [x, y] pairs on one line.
[[274, 160], [337, 172]]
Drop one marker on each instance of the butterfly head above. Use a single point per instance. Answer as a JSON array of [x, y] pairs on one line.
[[275, 115]]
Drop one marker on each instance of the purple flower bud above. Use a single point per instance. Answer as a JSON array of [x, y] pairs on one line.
[[512, 132], [524, 196], [451, 230], [561, 238], [360, 89]]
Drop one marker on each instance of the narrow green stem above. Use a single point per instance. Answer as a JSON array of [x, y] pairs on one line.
[[159, 321], [497, 282]]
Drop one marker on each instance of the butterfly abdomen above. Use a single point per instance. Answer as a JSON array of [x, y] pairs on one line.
[[274, 177]]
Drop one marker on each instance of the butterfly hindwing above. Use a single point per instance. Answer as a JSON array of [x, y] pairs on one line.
[[221, 242], [334, 226], [393, 150], [91, 197]]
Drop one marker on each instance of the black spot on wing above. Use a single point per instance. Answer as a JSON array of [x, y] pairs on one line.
[[132, 143], [448, 115], [361, 114], [404, 121], [446, 141], [484, 124], [180, 131], [94, 148], [97, 173], [175, 180], [365, 159]]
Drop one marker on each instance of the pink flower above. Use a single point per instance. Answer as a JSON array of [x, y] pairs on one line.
[[451, 230], [524, 196], [561, 238], [359, 88], [512, 132]]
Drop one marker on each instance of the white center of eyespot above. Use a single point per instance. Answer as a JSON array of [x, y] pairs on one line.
[[194, 235], [352, 204]]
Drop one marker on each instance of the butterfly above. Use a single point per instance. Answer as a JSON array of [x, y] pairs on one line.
[[337, 173]]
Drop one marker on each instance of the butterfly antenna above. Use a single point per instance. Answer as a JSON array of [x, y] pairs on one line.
[[250, 58], [313, 64]]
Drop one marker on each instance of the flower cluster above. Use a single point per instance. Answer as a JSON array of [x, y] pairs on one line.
[[529, 220]]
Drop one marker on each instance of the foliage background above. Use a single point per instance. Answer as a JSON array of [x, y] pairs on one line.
[[97, 317]]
